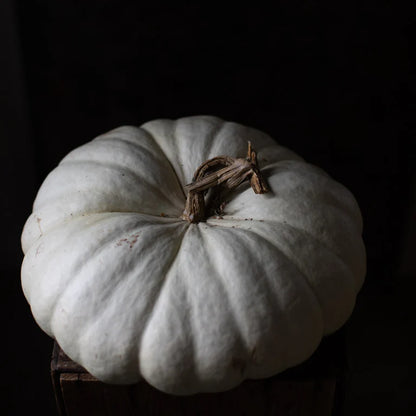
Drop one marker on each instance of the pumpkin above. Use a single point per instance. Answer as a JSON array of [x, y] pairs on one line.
[[131, 290]]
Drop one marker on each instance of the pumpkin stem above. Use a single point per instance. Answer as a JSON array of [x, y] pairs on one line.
[[221, 172]]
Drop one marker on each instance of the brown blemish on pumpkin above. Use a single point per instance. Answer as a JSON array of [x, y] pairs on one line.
[[38, 220], [120, 242], [130, 241], [239, 364]]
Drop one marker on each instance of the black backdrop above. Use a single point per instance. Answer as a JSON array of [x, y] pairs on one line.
[[334, 83]]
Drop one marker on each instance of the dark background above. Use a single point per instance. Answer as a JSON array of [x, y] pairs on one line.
[[334, 83]]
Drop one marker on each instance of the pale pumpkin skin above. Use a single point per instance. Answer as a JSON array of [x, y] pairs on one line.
[[129, 290]]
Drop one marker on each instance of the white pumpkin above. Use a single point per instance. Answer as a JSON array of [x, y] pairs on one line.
[[130, 290]]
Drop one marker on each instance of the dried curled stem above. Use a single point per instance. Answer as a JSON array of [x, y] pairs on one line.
[[225, 172]]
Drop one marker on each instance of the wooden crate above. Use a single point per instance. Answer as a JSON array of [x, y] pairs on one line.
[[311, 389]]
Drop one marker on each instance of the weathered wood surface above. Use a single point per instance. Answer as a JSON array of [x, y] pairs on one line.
[[310, 389]]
